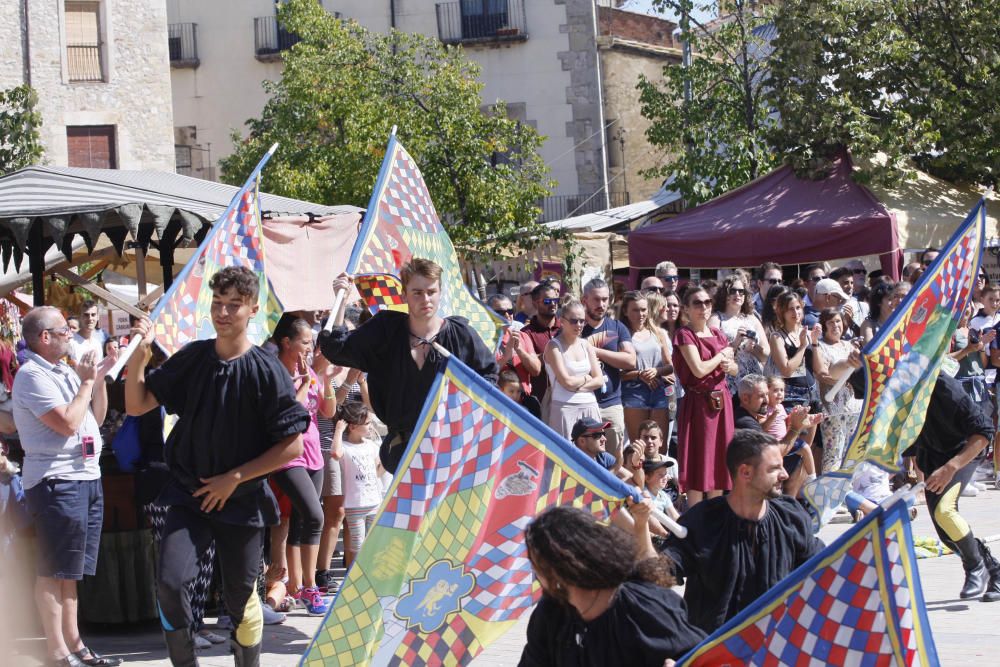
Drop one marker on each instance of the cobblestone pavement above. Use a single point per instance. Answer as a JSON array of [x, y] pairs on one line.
[[966, 632]]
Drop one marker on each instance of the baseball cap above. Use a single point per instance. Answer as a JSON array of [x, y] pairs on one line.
[[830, 286], [650, 465], [587, 425]]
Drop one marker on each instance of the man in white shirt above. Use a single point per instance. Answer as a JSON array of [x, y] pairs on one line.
[[89, 338]]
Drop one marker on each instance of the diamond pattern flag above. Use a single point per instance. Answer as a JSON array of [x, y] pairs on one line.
[[445, 571], [901, 363], [183, 314], [401, 223], [858, 602]]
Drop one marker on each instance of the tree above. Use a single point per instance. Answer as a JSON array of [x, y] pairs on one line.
[[20, 140], [342, 90], [905, 78], [712, 117]]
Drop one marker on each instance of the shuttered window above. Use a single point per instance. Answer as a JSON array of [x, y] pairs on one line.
[[83, 41], [91, 146]]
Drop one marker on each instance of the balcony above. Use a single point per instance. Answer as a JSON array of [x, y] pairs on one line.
[[83, 63], [182, 43], [270, 38], [481, 21], [560, 207]]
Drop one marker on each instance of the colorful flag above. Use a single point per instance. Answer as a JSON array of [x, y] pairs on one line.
[[401, 223], [901, 363], [183, 314], [857, 602], [445, 571]]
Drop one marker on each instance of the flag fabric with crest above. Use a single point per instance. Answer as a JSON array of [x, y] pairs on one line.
[[901, 363], [857, 602], [445, 571], [401, 223], [183, 314]]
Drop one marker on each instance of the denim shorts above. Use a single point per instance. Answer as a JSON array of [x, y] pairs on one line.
[[638, 395], [68, 515]]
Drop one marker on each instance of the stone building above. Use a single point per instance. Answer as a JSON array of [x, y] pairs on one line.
[[102, 75], [552, 61]]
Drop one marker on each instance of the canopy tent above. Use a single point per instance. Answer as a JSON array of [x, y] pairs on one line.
[[620, 218], [779, 217], [46, 207]]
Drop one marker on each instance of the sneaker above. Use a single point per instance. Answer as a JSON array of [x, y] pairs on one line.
[[980, 486], [212, 637], [970, 491], [201, 643], [314, 602], [272, 617]]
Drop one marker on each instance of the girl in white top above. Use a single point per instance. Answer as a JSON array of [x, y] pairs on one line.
[[357, 453], [574, 372]]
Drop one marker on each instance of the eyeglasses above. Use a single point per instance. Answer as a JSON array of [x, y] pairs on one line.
[[773, 281], [670, 279], [816, 279], [552, 301], [575, 321], [702, 303], [59, 331], [737, 291]]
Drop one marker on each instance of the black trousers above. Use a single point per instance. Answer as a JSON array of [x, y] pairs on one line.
[[303, 488], [187, 534]]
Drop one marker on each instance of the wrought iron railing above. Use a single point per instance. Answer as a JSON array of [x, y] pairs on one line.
[[182, 42], [559, 207], [481, 21], [84, 62]]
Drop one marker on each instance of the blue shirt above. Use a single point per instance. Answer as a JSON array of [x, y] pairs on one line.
[[606, 460], [617, 333]]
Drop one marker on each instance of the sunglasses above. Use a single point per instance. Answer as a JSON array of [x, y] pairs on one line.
[[737, 291], [658, 290], [773, 281], [554, 301], [506, 311], [595, 436], [575, 321], [670, 279], [816, 279], [860, 272], [703, 303]]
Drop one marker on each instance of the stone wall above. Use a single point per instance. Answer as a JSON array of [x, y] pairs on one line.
[[135, 93], [637, 27]]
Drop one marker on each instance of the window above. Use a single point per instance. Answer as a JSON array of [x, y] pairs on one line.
[[182, 159], [91, 146], [83, 41], [483, 18]]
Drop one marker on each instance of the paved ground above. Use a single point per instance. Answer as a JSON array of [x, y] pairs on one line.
[[966, 632]]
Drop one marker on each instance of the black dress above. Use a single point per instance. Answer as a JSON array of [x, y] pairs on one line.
[[229, 413], [728, 561], [645, 625]]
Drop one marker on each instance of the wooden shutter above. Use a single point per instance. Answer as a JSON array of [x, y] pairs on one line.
[[91, 146]]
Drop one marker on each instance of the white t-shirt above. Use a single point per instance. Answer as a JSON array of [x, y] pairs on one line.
[[359, 474], [81, 345], [984, 322], [38, 388]]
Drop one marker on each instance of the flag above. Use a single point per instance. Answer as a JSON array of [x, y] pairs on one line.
[[183, 314], [445, 571], [857, 602], [901, 363], [401, 223]]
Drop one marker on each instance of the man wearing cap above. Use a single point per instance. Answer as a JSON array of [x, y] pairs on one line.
[[588, 435], [827, 293], [656, 474]]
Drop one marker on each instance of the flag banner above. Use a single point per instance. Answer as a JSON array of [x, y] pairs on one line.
[[901, 363], [183, 314], [401, 223], [381, 292], [444, 571], [857, 602]]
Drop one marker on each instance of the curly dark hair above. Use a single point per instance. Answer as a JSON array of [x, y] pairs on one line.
[[567, 546], [238, 278], [722, 295]]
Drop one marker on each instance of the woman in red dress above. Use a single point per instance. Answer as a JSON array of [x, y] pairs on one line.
[[702, 358]]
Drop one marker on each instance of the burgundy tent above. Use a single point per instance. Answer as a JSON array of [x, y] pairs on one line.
[[779, 218]]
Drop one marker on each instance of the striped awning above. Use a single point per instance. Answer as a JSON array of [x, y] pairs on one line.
[[51, 206]]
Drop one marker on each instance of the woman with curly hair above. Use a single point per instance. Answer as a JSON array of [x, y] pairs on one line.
[[604, 601]]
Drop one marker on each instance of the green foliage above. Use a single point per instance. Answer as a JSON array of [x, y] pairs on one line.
[[20, 140], [718, 140], [342, 90], [907, 78]]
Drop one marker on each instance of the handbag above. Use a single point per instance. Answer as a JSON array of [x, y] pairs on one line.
[[126, 444]]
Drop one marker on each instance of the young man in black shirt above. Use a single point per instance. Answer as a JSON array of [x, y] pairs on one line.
[[238, 421]]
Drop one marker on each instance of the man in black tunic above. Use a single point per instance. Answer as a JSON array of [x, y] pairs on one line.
[[238, 421], [740, 545], [396, 350]]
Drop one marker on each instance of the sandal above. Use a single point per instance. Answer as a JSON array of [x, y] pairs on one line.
[[93, 659]]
